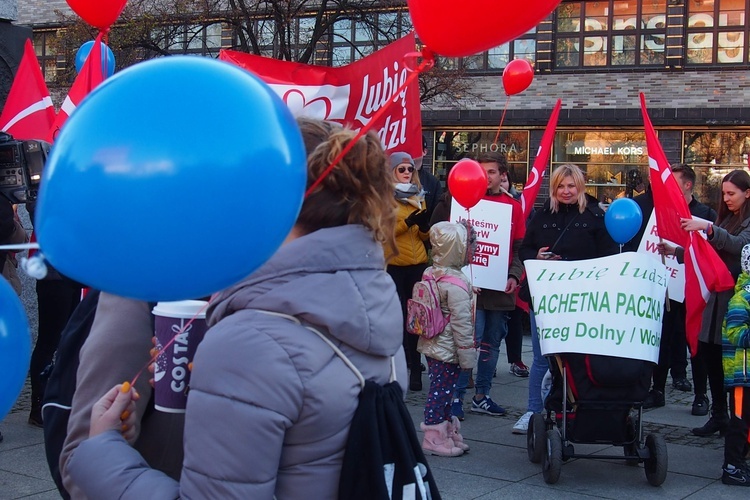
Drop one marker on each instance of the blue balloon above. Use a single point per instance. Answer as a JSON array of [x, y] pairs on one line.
[[173, 179], [623, 220], [15, 347], [108, 58]]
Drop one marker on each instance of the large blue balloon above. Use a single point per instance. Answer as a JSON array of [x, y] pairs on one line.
[[174, 179], [15, 347], [623, 220], [108, 58]]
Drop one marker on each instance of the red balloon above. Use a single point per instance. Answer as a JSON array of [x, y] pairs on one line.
[[517, 76], [476, 25], [467, 182], [98, 13]]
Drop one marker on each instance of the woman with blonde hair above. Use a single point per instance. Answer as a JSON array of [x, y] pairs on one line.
[[406, 267], [270, 403], [570, 226]]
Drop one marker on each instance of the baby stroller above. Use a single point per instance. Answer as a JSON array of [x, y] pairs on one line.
[[595, 399]]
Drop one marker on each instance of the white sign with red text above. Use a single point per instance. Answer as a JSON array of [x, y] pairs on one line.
[[491, 221], [675, 270], [351, 94]]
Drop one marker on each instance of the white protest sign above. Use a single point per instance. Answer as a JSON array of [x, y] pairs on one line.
[[675, 270], [491, 220], [611, 306]]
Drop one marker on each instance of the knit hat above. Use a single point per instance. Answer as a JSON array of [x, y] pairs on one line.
[[399, 158], [746, 259]]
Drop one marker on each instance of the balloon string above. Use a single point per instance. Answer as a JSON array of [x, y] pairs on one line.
[[427, 63], [21, 246], [171, 341], [502, 119]]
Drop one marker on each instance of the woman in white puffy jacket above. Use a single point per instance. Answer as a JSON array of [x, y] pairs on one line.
[[453, 349]]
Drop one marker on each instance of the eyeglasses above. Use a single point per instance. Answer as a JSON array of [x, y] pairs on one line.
[[401, 170]]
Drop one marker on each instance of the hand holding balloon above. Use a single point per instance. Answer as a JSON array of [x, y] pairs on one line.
[[116, 411], [623, 220]]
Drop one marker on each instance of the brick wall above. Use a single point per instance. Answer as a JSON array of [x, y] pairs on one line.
[[41, 11]]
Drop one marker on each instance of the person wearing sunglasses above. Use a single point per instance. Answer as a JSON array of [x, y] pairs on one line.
[[407, 266]]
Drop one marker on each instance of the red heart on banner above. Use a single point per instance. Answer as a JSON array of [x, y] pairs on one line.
[[318, 108], [98, 13], [454, 30]]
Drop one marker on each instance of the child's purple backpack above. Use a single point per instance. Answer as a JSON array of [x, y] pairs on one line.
[[423, 314]]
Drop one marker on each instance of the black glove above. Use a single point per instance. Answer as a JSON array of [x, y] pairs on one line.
[[419, 218]]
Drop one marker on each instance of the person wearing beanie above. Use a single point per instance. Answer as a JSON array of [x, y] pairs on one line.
[[406, 267]]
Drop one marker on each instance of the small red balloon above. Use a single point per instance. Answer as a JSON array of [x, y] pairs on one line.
[[98, 13], [517, 76], [467, 182], [457, 30]]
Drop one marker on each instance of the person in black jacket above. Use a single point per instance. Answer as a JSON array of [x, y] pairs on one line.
[[570, 226]]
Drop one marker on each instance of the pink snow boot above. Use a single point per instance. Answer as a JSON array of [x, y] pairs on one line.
[[454, 432], [437, 441]]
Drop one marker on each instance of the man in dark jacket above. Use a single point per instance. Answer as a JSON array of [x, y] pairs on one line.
[[673, 340], [493, 306]]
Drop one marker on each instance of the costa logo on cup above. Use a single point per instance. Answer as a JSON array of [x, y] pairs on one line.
[[172, 320]]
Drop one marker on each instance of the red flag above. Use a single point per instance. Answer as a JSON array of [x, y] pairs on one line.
[[89, 77], [28, 111], [705, 272], [531, 190], [534, 182]]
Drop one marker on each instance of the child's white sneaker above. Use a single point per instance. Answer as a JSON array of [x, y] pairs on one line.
[[523, 423]]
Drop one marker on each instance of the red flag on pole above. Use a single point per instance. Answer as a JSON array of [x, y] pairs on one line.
[[531, 190], [534, 182], [28, 112], [90, 76], [705, 272]]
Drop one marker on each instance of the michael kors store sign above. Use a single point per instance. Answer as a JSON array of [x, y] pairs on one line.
[[611, 149]]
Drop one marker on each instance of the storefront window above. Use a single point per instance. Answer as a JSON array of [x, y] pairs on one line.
[[453, 145], [615, 163], [523, 47], [716, 32], [713, 155], [613, 33]]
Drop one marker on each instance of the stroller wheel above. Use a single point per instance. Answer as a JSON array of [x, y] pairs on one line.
[[656, 464], [552, 463], [536, 438]]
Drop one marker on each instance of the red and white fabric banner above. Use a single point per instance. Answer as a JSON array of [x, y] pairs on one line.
[[534, 182], [28, 112], [350, 94], [89, 77], [705, 272]]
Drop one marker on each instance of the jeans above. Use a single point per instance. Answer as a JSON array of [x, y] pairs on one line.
[[536, 373], [491, 327]]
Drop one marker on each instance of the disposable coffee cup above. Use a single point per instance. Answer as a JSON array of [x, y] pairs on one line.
[[172, 320]]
